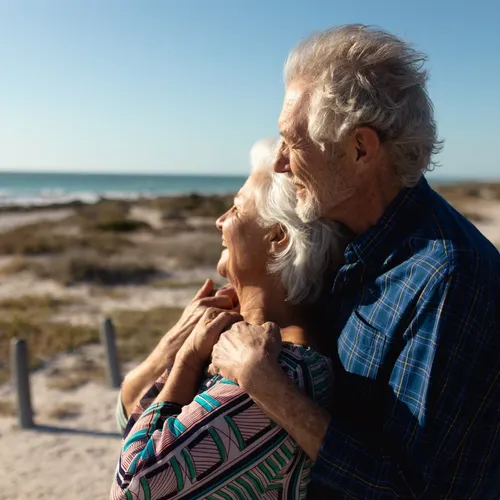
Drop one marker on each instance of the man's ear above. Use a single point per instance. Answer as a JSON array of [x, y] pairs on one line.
[[278, 239], [364, 145]]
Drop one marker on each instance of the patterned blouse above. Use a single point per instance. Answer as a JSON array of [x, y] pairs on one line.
[[221, 446]]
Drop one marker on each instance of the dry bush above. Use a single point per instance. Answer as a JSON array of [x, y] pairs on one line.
[[472, 216], [108, 216], [69, 380], [63, 411], [33, 239], [176, 285], [87, 267], [122, 225], [138, 332], [179, 207], [40, 239], [194, 250], [7, 408], [101, 211], [41, 303], [30, 318]]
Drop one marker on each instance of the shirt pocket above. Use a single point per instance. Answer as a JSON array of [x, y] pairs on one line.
[[361, 347]]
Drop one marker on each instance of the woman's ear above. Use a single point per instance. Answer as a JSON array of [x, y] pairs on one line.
[[278, 239]]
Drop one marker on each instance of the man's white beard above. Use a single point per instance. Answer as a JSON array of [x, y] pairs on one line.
[[308, 209]]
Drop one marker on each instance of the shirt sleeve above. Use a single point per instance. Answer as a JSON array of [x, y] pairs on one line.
[[440, 426], [190, 452], [120, 415]]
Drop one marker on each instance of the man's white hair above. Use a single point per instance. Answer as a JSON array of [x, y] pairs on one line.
[[357, 75], [313, 249]]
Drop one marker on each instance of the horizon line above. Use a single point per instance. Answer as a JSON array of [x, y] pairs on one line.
[[110, 172], [13, 170]]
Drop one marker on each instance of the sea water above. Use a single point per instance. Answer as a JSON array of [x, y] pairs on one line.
[[48, 188]]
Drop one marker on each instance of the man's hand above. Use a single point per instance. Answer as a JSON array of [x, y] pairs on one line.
[[246, 352]]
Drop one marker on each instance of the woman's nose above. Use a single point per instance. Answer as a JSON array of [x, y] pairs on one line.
[[220, 221]]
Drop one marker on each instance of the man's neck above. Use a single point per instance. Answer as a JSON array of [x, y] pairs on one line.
[[369, 202]]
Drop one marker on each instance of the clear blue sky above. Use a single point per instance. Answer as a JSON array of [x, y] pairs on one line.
[[187, 86]]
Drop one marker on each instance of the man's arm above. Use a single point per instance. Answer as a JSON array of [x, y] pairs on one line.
[[249, 354], [440, 435]]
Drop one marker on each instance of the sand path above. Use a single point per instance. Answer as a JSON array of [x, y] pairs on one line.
[[72, 458]]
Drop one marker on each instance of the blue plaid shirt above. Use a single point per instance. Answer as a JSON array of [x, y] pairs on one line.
[[417, 414]]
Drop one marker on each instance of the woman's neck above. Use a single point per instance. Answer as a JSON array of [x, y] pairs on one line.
[[261, 304]]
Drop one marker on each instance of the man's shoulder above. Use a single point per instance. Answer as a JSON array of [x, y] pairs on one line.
[[445, 243]]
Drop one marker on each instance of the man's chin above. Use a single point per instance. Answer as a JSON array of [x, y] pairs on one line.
[[307, 211]]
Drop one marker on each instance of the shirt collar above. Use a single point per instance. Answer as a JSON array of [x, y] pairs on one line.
[[400, 217]]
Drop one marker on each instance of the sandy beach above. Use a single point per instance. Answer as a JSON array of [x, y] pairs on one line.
[[62, 271]]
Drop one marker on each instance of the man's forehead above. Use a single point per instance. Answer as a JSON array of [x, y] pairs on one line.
[[293, 111]]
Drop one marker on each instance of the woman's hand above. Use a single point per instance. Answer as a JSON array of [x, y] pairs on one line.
[[196, 350], [206, 298], [143, 376]]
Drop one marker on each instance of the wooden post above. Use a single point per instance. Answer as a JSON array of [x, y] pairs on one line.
[[108, 340], [21, 377]]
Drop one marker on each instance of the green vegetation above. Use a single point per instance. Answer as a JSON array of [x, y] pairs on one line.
[[63, 411], [194, 251], [175, 207], [86, 267], [138, 332], [7, 408], [29, 317]]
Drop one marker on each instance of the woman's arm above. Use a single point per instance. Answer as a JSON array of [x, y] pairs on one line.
[[157, 364], [192, 451], [218, 441]]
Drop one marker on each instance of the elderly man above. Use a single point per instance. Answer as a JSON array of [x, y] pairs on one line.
[[415, 308]]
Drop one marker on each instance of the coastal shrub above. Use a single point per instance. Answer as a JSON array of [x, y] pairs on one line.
[[42, 239], [174, 207], [33, 239], [122, 225], [91, 268], [191, 251], [87, 267], [64, 411], [45, 338], [138, 332], [103, 210]]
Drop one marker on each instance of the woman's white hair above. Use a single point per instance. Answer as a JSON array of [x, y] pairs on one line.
[[313, 249], [357, 75]]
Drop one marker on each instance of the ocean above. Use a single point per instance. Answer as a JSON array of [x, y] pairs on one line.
[[49, 188], [44, 188]]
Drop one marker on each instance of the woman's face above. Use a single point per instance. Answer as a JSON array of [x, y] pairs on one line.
[[244, 259]]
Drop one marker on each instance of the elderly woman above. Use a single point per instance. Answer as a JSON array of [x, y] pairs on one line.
[[186, 440]]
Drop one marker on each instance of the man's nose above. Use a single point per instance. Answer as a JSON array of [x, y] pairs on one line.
[[281, 164]]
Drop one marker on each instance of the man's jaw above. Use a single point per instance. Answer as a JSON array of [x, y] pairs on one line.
[[308, 209]]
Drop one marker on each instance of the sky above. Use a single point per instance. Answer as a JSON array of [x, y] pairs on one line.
[[187, 86]]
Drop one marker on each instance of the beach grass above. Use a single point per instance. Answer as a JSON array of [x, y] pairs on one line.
[[29, 318], [138, 332]]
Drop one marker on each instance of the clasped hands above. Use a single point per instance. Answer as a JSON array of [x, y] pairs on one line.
[[233, 347]]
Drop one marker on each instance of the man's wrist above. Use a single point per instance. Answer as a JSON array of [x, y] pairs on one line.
[[257, 376]]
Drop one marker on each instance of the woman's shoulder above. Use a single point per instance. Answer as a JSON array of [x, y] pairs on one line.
[[309, 370]]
